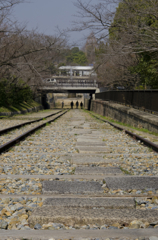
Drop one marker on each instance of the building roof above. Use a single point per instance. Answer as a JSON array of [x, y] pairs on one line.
[[80, 68]]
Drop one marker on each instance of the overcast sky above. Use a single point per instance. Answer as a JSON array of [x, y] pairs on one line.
[[46, 15]]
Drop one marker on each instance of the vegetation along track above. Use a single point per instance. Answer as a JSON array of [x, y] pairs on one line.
[[133, 135], [83, 177]]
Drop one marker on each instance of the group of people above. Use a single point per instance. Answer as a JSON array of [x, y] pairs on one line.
[[72, 104], [77, 104]]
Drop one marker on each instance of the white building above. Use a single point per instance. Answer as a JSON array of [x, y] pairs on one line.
[[76, 71]]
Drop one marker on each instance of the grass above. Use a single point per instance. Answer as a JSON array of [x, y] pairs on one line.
[[104, 181], [38, 132], [125, 171], [123, 124], [73, 171], [19, 107]]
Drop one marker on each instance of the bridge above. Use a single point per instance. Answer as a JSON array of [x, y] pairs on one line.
[[71, 79], [67, 85]]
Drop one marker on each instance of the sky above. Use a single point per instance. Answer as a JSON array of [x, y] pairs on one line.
[[47, 15]]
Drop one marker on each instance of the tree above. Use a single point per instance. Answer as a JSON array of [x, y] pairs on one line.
[[76, 57], [26, 56], [90, 48], [130, 37]]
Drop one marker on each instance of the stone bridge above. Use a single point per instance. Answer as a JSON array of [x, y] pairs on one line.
[[66, 84]]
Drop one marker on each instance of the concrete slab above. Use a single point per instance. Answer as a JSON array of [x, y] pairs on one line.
[[62, 187], [83, 216], [86, 159], [51, 177], [87, 155], [78, 234], [98, 170], [97, 132], [116, 203], [93, 160], [133, 182], [79, 131], [90, 135], [88, 149], [77, 123], [101, 149], [89, 144], [91, 140]]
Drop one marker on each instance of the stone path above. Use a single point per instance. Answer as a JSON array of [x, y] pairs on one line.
[[82, 177]]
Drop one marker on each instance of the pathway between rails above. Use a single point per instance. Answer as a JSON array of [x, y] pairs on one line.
[[79, 178]]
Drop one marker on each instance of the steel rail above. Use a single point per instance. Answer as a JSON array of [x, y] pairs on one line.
[[3, 131], [5, 147], [133, 135]]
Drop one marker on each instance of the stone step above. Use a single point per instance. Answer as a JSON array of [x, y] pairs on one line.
[[79, 234], [57, 177], [88, 140], [96, 143], [102, 144], [98, 170], [79, 131], [114, 155], [83, 216], [93, 160], [90, 203], [78, 155], [90, 149], [67, 187], [131, 182]]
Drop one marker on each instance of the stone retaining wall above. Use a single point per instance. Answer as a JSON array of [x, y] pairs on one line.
[[34, 109], [134, 117]]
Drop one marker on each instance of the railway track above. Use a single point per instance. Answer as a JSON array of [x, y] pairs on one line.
[[24, 123], [26, 129], [146, 142], [78, 178]]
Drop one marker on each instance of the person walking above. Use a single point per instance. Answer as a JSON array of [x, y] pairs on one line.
[[62, 104], [77, 104], [81, 105], [72, 104]]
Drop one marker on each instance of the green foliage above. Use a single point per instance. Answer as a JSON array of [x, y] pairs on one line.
[[136, 26], [14, 91], [133, 15], [147, 68], [76, 57]]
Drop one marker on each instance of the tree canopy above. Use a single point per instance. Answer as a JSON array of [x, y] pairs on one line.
[[76, 57], [128, 51]]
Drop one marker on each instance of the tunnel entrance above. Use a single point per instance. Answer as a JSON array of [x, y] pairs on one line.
[[45, 104]]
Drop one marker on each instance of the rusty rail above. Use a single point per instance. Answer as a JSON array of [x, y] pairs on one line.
[[3, 131], [133, 135], [8, 145]]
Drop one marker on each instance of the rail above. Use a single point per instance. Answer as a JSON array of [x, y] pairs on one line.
[[133, 135], [6, 130], [8, 145]]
